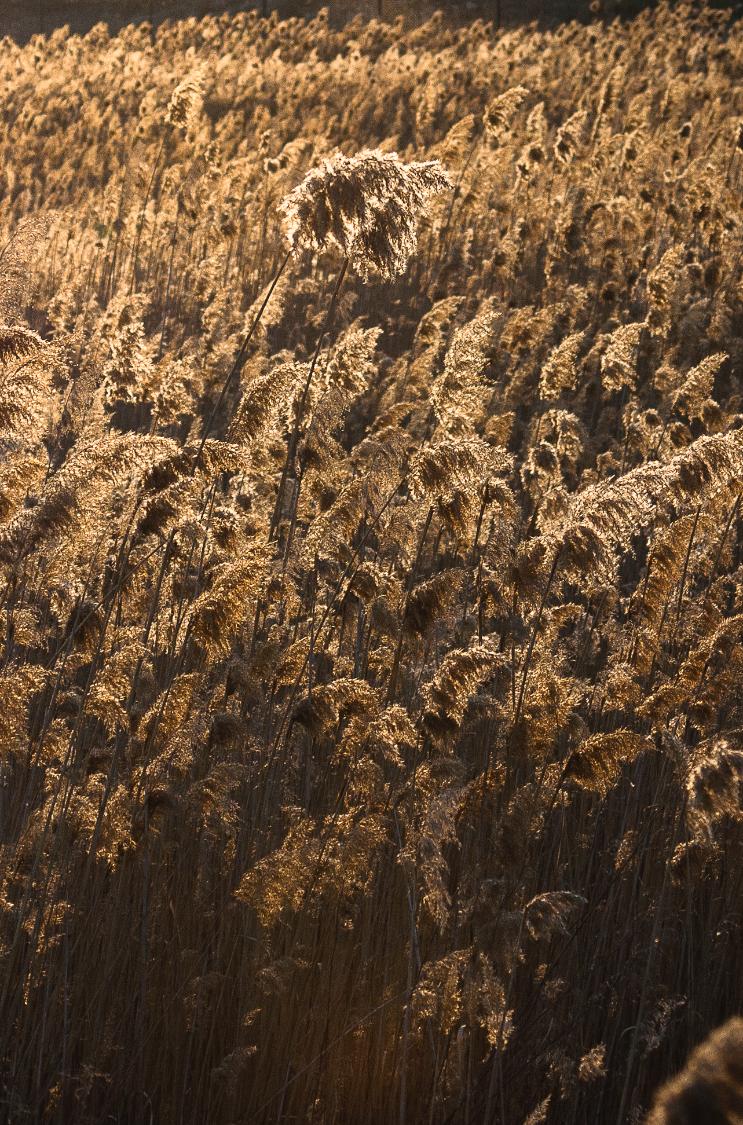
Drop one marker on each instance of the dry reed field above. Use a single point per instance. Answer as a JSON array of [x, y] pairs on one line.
[[371, 701]]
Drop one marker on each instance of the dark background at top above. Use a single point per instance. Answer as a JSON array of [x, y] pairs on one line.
[[24, 18]]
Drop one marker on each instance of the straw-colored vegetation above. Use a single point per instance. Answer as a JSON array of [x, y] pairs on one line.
[[371, 601]]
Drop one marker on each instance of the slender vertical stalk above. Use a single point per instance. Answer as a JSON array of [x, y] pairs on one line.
[[392, 683], [291, 451]]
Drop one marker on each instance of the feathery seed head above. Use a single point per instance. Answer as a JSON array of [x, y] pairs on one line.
[[714, 786], [365, 206], [546, 914], [569, 136], [17, 342], [186, 101], [500, 111]]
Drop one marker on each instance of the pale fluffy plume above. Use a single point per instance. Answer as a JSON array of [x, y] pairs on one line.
[[459, 394], [460, 675], [619, 362], [597, 762], [501, 110], [696, 388], [365, 206], [714, 786], [462, 464], [560, 372], [185, 104], [569, 136]]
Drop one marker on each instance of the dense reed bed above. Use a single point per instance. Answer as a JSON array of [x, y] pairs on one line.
[[371, 601]]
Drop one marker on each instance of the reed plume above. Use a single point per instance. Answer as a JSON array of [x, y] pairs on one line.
[[365, 207]]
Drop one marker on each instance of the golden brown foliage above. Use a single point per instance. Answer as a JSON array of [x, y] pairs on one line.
[[371, 566]]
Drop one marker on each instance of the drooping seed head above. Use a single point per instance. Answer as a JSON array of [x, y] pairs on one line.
[[366, 206], [186, 101], [17, 342]]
